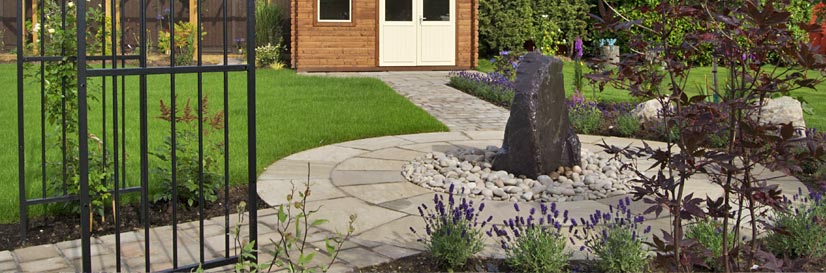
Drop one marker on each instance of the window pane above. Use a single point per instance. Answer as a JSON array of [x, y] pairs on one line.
[[436, 10], [398, 10], [334, 9]]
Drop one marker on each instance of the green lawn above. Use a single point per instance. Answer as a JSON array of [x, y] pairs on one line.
[[698, 78], [295, 113]]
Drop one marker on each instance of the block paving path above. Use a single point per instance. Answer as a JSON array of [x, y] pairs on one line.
[[429, 90]]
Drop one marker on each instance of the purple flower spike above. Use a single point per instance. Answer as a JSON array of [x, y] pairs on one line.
[[578, 47], [516, 206]]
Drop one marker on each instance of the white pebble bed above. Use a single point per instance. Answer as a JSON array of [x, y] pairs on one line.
[[469, 170]]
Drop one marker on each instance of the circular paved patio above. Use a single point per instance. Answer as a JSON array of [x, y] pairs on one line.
[[364, 177]]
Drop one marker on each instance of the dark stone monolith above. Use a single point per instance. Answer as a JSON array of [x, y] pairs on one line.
[[538, 137]]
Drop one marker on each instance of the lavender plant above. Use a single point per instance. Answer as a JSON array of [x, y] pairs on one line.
[[453, 232], [798, 231], [492, 87], [585, 116], [535, 243], [614, 237]]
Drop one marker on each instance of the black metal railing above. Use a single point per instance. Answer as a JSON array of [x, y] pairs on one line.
[[63, 83]]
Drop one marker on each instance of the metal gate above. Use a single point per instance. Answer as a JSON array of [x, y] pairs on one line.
[[89, 144]]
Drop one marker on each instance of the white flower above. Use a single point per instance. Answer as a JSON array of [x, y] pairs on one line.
[[36, 27], [51, 31], [70, 4], [755, 267]]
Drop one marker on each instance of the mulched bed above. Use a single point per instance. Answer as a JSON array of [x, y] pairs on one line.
[[64, 227]]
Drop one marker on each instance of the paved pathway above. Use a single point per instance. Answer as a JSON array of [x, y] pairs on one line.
[[429, 90], [363, 177]]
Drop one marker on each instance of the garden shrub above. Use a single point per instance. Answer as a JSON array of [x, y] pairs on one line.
[[709, 233], [568, 18], [491, 87], [627, 125], [507, 24], [798, 231], [585, 117], [614, 238], [189, 167], [184, 42], [453, 232], [535, 243], [504, 25], [268, 56]]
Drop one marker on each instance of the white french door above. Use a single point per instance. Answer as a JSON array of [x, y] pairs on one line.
[[417, 32]]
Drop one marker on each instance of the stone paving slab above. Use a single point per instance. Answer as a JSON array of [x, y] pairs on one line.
[[393, 154], [431, 147], [275, 192], [337, 211], [350, 178], [297, 170], [330, 153], [380, 193], [435, 137], [370, 164], [376, 143]]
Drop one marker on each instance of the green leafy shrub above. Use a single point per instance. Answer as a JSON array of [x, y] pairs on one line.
[[708, 233], [268, 56], [188, 166], [568, 18], [504, 25], [453, 232], [60, 106], [798, 231], [627, 125], [268, 29], [586, 118], [613, 237], [184, 42], [535, 243], [507, 24]]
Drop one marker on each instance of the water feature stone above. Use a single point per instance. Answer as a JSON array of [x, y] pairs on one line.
[[538, 136]]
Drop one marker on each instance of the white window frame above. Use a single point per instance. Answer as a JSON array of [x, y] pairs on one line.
[[318, 14]]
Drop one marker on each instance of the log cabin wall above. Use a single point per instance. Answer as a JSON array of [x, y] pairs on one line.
[[353, 46]]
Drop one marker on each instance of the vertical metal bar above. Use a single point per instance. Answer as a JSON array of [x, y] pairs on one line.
[[252, 168], [42, 110], [226, 133], [83, 149], [115, 136], [201, 199], [21, 151], [144, 150], [63, 102], [174, 138]]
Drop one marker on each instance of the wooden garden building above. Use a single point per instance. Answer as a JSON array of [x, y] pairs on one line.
[[381, 35]]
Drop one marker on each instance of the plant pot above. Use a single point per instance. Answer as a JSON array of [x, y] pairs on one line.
[[610, 53]]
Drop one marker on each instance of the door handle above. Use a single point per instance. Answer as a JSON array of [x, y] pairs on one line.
[[421, 19]]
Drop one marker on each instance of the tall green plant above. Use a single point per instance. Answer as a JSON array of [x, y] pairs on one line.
[[60, 106], [268, 28]]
